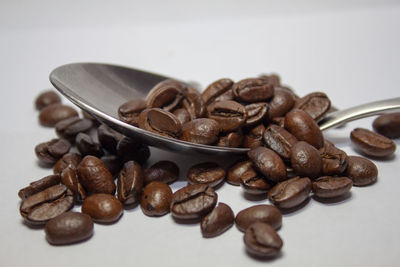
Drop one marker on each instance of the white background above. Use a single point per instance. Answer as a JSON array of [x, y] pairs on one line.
[[349, 49]]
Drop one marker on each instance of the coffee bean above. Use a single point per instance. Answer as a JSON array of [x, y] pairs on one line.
[[290, 193], [129, 111], [361, 170], [70, 127], [46, 98], [260, 213], [193, 201], [268, 163], [334, 160], [232, 139], [315, 104], [220, 219], [281, 103], [388, 125], [306, 160], [68, 160], [255, 137], [102, 208], [69, 178], [166, 95], [209, 173], [253, 90], [161, 122], [253, 183], [215, 90], [87, 146], [69, 227], [331, 187], [39, 185], [113, 163], [229, 114], [201, 131], [372, 144], [95, 177], [279, 140], [130, 183], [193, 103], [261, 240], [256, 113], [182, 115], [228, 95], [108, 138], [156, 199], [273, 79], [237, 170], [163, 171], [132, 149], [89, 116], [49, 152], [50, 115], [280, 121]]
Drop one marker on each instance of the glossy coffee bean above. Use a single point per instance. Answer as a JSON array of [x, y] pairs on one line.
[[361, 170], [69, 178], [108, 138], [268, 163], [131, 149], [290, 193], [331, 187], [232, 139], [130, 183], [69, 227], [215, 90], [316, 104], [306, 160], [52, 114], [71, 160], [261, 240], [166, 95], [372, 144], [129, 111], [260, 213], [230, 115], [49, 152], [254, 138], [236, 171], [193, 103], [182, 115], [39, 185], [86, 145], [220, 219], [252, 183], [70, 127], [273, 79], [102, 208], [162, 171], [253, 90], [388, 125], [46, 98], [156, 199], [161, 122], [201, 131], [281, 103], [209, 173], [193, 201], [279, 140], [334, 160], [256, 113]]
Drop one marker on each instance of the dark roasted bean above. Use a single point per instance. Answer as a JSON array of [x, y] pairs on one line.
[[129, 111], [87, 146], [156, 199], [279, 140], [220, 219], [334, 160], [166, 95], [39, 185], [131, 149], [256, 113], [237, 170], [261, 240], [201, 131], [232, 139], [103, 208], [331, 187], [290, 193], [255, 137], [253, 183], [50, 115], [215, 90], [130, 183], [281, 103], [46, 98], [260, 213], [70, 127], [182, 115], [315, 104], [49, 152], [159, 121], [209, 173], [372, 144], [68, 160], [361, 170], [253, 90], [193, 103], [306, 160], [163, 171], [229, 114], [113, 163], [268, 163], [69, 178], [388, 125], [108, 138]]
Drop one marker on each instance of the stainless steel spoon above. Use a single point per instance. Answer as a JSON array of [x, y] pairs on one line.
[[101, 88]]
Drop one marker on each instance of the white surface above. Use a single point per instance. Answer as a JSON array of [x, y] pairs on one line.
[[349, 49]]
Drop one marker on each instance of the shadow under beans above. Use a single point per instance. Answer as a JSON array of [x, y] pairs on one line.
[[72, 243], [252, 197], [333, 201], [379, 159], [108, 223], [295, 210], [44, 165], [186, 221], [33, 226], [131, 207], [264, 259]]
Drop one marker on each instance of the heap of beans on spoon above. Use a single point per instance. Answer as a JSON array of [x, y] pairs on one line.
[[289, 160]]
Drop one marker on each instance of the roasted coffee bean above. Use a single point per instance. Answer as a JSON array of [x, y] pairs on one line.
[[230, 115], [306, 160], [273, 79], [279, 140], [232, 139], [69, 178], [261, 240], [253, 90], [193, 103], [39, 185], [331, 187], [315, 104], [182, 115], [280, 121], [95, 177], [220, 219], [193, 201], [388, 125], [113, 163], [161, 122], [131, 149], [50, 115], [268, 163], [102, 208], [129, 111], [256, 113], [68, 160], [166, 95], [304, 128], [87, 146], [46, 98], [156, 199], [70, 127], [255, 137], [228, 95], [49, 152], [201, 131], [361, 170], [209, 173], [290, 193], [163, 171], [253, 183], [372, 144], [215, 90], [260, 213], [37, 209], [334, 160], [281, 103], [69, 227], [89, 116], [237, 170], [108, 138], [130, 183]]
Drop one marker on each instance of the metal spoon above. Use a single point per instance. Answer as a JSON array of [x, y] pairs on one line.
[[101, 88]]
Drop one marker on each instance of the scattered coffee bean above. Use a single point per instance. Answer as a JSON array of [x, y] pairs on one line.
[[68, 160], [260, 213], [334, 160], [361, 170], [102, 208], [281, 103], [129, 111], [261, 240], [108, 138], [201, 131], [306, 160], [316, 104], [388, 125], [253, 90], [130, 183], [236, 171], [70, 127], [220, 219], [47, 98], [290, 193], [268, 163], [113, 163], [39, 185], [69, 178], [130, 149], [156, 199], [331, 187], [49, 152], [87, 146], [253, 183], [163, 171], [209, 173], [372, 144], [52, 114]]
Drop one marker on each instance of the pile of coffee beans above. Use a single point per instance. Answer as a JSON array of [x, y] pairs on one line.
[[289, 160]]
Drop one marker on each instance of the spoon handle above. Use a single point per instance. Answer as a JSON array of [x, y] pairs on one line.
[[358, 112]]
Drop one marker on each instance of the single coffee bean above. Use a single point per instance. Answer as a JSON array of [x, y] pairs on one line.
[[69, 227], [261, 240], [290, 193], [260, 213], [102, 208], [108, 138], [129, 111], [334, 160], [229, 114], [182, 115], [39, 185], [215, 90], [372, 144], [69, 178], [131, 149], [361, 170], [253, 183], [193, 201], [193, 103], [49, 152], [316, 104], [71, 160], [156, 199], [273, 79], [220, 219], [281, 103], [87, 146], [50, 115], [388, 125], [306, 160], [237, 170], [279, 140], [209, 173], [163, 171], [94, 176], [304, 128], [113, 163], [268, 163], [166, 95], [232, 139], [130, 183], [161, 122], [201, 131], [331, 187], [253, 90], [70, 127], [255, 137], [256, 113], [46, 98]]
